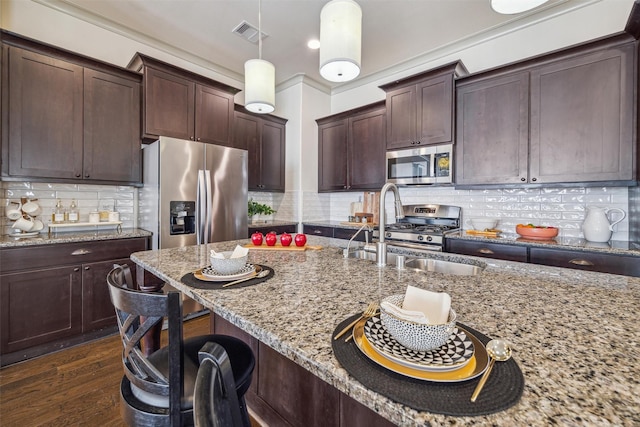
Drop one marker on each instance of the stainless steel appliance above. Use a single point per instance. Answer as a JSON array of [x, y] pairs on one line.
[[423, 226], [194, 193], [420, 166]]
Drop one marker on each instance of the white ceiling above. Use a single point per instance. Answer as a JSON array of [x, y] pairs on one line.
[[393, 31]]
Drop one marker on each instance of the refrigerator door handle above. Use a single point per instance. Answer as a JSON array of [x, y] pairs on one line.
[[209, 200], [200, 208]]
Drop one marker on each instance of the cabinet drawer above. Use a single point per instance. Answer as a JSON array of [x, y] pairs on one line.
[[487, 250], [317, 230], [35, 257], [291, 229], [590, 261]]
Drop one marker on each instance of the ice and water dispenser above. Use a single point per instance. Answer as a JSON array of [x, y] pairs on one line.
[[182, 217]]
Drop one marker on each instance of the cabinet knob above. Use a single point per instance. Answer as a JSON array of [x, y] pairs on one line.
[[87, 268], [76, 269], [191, 138], [87, 176], [577, 261], [522, 179], [485, 251], [78, 175], [534, 179], [197, 139]]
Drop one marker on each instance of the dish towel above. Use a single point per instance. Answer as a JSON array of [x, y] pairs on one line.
[[434, 305]]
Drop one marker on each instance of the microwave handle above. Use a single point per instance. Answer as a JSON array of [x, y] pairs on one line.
[[432, 165]]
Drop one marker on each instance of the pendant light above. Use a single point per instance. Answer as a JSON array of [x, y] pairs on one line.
[[510, 7], [259, 79], [340, 40]]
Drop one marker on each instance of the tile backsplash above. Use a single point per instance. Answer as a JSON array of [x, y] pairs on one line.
[[88, 198], [564, 208]]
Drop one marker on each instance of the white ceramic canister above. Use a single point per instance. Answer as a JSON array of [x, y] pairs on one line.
[[597, 227]]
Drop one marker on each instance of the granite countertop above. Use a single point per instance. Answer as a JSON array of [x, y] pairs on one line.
[[574, 333], [570, 243], [7, 241]]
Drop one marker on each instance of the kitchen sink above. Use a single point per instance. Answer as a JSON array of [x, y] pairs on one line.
[[441, 266], [423, 264]]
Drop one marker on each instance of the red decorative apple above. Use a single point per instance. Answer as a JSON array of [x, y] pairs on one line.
[[300, 240], [286, 239], [271, 239], [256, 238]]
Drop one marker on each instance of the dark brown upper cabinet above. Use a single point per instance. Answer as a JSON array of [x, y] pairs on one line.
[[184, 105], [566, 117], [264, 137], [351, 149], [420, 108], [67, 117]]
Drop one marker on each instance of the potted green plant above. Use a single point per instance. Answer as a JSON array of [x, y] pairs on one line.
[[256, 208]]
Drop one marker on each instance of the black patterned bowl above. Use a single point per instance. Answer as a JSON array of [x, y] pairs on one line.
[[416, 336]]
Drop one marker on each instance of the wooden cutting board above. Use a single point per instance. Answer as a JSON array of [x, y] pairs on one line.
[[279, 247], [493, 233], [359, 224]]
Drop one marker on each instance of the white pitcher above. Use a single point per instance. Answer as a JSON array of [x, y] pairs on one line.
[[596, 226]]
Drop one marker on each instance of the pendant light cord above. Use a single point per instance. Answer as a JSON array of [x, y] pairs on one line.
[[259, 29]]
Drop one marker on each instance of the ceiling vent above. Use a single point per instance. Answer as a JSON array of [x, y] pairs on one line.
[[248, 31]]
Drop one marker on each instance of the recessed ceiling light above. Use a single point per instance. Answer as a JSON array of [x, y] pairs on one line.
[[313, 44], [509, 7]]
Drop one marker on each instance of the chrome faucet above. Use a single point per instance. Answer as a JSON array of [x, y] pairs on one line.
[[345, 252], [381, 246]]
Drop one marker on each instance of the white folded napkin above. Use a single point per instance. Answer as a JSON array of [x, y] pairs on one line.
[[239, 252], [400, 313], [215, 254], [434, 305]]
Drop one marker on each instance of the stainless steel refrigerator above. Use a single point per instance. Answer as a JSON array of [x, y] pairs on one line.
[[194, 193]]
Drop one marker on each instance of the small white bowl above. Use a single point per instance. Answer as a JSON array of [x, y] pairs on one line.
[[228, 265], [482, 223], [416, 336]]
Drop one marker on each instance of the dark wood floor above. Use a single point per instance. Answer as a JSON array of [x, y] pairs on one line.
[[78, 386]]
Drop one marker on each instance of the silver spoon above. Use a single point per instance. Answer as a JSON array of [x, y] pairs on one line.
[[497, 350], [261, 274]]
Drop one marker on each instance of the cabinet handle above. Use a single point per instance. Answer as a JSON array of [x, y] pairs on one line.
[[76, 269], [534, 179], [78, 175], [522, 179], [87, 268], [485, 251], [87, 176], [81, 252], [577, 261], [317, 231]]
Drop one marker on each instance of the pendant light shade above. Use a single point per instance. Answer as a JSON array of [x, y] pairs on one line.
[[340, 40], [259, 86], [509, 7], [259, 79]]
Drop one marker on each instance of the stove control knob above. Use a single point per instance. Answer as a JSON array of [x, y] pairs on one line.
[[429, 238], [387, 235], [420, 238]]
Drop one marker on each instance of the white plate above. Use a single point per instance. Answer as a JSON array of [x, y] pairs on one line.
[[456, 353], [212, 275], [27, 234]]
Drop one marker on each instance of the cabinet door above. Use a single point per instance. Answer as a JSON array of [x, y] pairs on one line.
[[582, 122], [246, 133], [332, 156], [493, 131], [39, 306], [111, 128], [401, 117], [367, 147], [272, 156], [169, 104], [97, 310], [213, 115], [45, 116], [590, 261], [435, 110]]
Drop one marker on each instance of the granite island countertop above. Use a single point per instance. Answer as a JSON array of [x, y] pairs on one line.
[[574, 333], [7, 241]]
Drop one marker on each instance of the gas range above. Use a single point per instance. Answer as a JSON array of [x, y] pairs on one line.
[[423, 226]]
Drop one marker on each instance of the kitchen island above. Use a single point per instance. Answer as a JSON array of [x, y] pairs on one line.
[[574, 333]]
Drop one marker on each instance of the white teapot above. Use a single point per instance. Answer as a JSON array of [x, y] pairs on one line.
[[597, 226]]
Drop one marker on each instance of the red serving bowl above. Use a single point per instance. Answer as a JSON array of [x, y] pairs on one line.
[[537, 233]]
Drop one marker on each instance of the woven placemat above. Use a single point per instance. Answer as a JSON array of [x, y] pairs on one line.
[[190, 279], [502, 390]]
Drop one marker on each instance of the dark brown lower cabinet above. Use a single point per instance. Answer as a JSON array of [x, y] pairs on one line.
[[279, 229], [54, 296], [487, 250], [285, 394]]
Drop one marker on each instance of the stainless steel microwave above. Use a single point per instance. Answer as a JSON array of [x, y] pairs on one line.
[[420, 166]]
